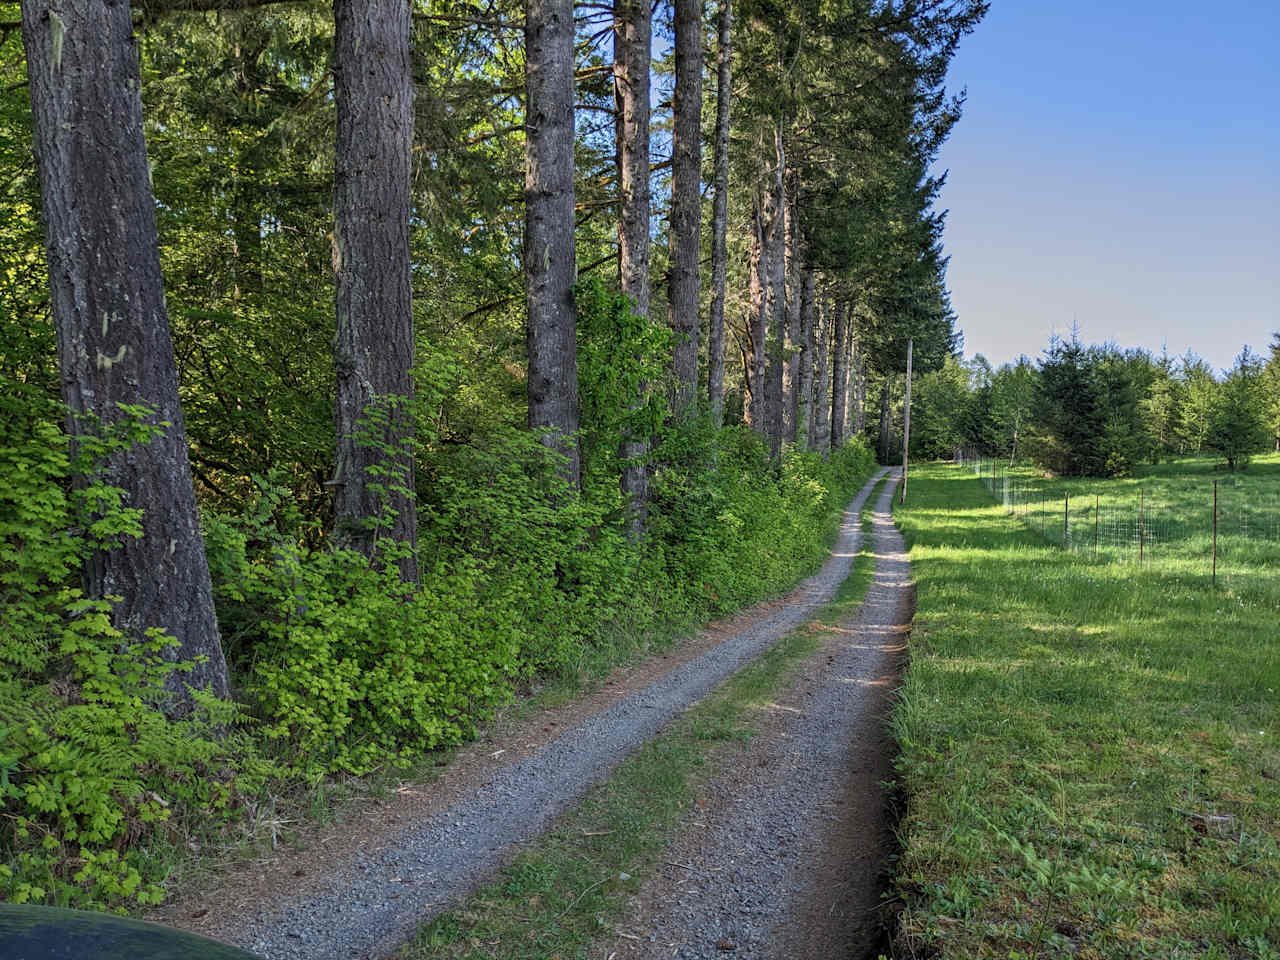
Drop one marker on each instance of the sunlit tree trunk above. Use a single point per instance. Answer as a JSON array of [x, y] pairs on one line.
[[775, 259], [804, 367], [839, 375], [719, 216], [860, 390], [759, 322], [822, 378], [108, 306], [886, 425], [549, 264], [795, 344]]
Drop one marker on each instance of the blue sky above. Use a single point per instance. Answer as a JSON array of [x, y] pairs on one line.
[[1117, 166]]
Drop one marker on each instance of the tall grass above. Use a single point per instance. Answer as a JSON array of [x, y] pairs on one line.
[[1091, 750]]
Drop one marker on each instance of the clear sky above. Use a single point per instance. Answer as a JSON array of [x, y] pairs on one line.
[[1117, 166]]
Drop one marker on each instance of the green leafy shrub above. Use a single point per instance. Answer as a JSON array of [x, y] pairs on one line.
[[90, 768], [343, 666], [351, 669]]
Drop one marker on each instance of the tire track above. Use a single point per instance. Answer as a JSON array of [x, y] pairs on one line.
[[785, 855], [374, 904]]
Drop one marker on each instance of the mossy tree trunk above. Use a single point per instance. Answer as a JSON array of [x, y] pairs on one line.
[[631, 48], [686, 204], [720, 215]]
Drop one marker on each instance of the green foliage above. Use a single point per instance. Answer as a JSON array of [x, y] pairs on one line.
[[619, 355], [352, 672], [1237, 427], [90, 768], [1087, 417], [1271, 392]]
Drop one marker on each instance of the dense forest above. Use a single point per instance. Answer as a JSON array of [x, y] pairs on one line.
[[360, 363], [1100, 410]]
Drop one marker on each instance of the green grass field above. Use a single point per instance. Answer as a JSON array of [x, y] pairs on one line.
[[1162, 515], [1090, 750]]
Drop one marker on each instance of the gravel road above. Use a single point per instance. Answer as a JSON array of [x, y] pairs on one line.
[[371, 906], [784, 855]]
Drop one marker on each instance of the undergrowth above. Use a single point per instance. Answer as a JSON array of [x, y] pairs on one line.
[[339, 671]]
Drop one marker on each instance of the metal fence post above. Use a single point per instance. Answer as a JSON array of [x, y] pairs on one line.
[[1066, 521], [1215, 534], [1095, 526]]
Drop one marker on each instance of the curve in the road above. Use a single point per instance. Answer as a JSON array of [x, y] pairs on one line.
[[373, 905]]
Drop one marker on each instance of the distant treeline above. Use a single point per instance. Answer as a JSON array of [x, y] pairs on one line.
[[1100, 410]]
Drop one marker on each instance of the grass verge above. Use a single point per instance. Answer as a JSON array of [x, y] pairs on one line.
[[1090, 751], [567, 890]]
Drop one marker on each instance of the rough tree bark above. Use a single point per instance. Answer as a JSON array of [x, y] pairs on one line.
[[631, 52], [549, 260], [775, 258], [822, 379], [839, 375], [795, 343], [107, 296], [804, 392], [373, 346], [719, 216], [686, 203], [759, 327]]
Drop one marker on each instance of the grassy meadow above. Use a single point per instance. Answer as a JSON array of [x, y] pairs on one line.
[[1164, 515], [1090, 749]]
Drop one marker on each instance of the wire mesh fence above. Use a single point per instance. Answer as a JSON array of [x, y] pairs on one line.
[[1207, 523]]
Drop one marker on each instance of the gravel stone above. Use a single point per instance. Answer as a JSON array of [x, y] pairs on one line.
[[786, 857]]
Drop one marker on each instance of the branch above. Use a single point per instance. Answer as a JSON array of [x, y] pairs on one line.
[[612, 257], [151, 9], [464, 21]]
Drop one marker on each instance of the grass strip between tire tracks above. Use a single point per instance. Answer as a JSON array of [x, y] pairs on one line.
[[1090, 751], [568, 888]]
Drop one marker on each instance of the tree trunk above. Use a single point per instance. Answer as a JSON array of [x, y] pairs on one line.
[[839, 375], [822, 381], [759, 317], [851, 378], [719, 218], [860, 391], [886, 441], [549, 260], [791, 362], [775, 259], [686, 203], [631, 41], [804, 401], [107, 296], [373, 348]]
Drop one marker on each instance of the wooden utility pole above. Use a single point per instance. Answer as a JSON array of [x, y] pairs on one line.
[[906, 423]]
